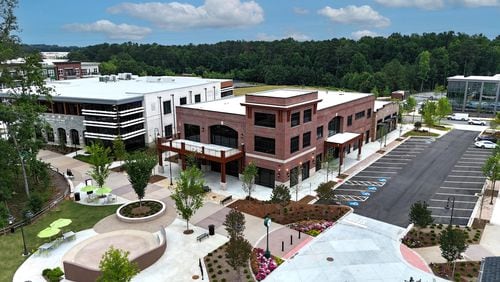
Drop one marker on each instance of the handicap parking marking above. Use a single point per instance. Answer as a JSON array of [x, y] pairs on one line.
[[364, 183], [366, 194], [372, 188], [353, 203], [382, 179]]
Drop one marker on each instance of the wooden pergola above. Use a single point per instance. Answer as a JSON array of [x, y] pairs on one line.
[[201, 151], [341, 141]]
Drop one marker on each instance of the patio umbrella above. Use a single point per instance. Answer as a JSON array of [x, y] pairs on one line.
[[60, 223], [103, 191], [88, 188], [48, 232]]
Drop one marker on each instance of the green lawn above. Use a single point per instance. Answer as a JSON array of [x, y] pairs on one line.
[[11, 245]]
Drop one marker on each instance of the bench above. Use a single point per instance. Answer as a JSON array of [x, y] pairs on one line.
[[202, 236], [226, 199], [69, 236]]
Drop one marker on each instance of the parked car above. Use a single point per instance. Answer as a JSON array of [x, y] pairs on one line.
[[458, 116], [486, 138], [477, 121], [485, 144]]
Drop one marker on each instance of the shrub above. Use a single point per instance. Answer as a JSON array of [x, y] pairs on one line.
[[35, 203], [213, 276], [219, 272], [210, 270], [245, 271], [53, 275], [248, 276], [223, 280]]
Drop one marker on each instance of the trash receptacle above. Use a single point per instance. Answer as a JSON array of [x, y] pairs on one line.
[[77, 196], [211, 229]]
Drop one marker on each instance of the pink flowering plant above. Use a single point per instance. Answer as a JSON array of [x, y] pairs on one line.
[[262, 266], [311, 227]]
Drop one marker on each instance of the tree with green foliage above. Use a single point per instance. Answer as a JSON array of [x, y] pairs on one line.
[[330, 163], [452, 243], [139, 168], [238, 249], [325, 191], [423, 65], [188, 195], [420, 215], [4, 215], [248, 178], [100, 161], [496, 121], [411, 104], [119, 151], [491, 169], [443, 108], [116, 267], [281, 195], [429, 113]]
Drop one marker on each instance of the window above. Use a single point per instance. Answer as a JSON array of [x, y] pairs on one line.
[[264, 145], [168, 131], [349, 120], [319, 132], [360, 115], [294, 144], [307, 115], [197, 98], [167, 107], [369, 113], [306, 139], [183, 101], [192, 132], [266, 120], [295, 119]]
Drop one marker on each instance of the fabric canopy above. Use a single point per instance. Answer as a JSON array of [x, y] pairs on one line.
[[48, 232], [61, 222], [103, 191]]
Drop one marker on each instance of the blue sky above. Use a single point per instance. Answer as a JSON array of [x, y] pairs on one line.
[[81, 23]]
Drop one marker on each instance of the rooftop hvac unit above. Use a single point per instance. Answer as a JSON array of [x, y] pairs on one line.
[[112, 78]]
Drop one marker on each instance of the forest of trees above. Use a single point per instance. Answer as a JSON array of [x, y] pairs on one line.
[[376, 64]]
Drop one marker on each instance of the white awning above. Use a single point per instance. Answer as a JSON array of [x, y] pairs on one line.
[[341, 138]]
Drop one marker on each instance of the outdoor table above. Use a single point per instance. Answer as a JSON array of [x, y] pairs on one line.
[[69, 236], [46, 247]]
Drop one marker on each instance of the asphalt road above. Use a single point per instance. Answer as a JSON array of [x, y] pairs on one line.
[[417, 180]]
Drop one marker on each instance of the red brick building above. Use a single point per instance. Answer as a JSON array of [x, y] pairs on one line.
[[68, 70], [286, 133]]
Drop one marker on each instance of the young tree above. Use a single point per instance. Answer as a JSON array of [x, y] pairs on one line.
[[491, 169], [139, 168], [452, 243], [100, 161], [115, 266], [248, 178], [281, 195], [119, 151], [417, 125], [411, 104], [325, 191], [429, 112], [188, 195], [238, 252], [234, 223], [330, 162], [443, 108], [420, 215], [423, 66]]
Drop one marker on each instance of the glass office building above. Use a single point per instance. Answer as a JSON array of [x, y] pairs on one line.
[[478, 94]]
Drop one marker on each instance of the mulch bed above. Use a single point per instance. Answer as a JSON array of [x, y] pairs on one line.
[[430, 236], [219, 270], [464, 271], [293, 212], [156, 178], [307, 199]]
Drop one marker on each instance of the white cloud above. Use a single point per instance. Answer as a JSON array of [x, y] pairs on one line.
[[362, 15], [421, 4], [300, 11], [295, 35], [478, 3], [361, 33], [178, 16], [111, 30]]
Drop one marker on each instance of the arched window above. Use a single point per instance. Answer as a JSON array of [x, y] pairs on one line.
[[50, 134], [75, 137], [63, 140]]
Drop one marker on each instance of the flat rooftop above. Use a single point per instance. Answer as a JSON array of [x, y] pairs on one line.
[[232, 105], [380, 104], [494, 78], [91, 89]]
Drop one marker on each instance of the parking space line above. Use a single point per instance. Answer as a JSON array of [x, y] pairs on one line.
[[480, 159], [456, 194], [466, 176], [381, 172], [366, 176], [469, 182], [390, 158], [355, 190], [387, 167], [456, 170], [474, 166], [463, 162], [393, 163], [460, 188], [443, 208], [465, 202]]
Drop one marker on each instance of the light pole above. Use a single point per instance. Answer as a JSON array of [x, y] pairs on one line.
[[28, 215], [267, 224], [170, 169], [452, 208]]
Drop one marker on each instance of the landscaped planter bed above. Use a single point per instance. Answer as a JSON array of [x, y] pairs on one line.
[[464, 271], [311, 227], [135, 212], [220, 271], [262, 266], [427, 237]]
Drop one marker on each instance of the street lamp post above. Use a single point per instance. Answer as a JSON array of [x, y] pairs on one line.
[[170, 169], [452, 208], [267, 224]]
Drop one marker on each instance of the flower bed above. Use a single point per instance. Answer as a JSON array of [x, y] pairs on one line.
[[311, 227], [429, 236], [134, 212], [262, 266]]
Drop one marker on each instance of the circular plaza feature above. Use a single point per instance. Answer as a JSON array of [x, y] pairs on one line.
[[135, 211]]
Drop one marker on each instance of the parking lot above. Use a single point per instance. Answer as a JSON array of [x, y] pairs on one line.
[[424, 169], [464, 182]]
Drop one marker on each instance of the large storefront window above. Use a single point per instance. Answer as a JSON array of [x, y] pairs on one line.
[[192, 132], [489, 97], [265, 177], [264, 145], [224, 136], [456, 92], [473, 96]]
